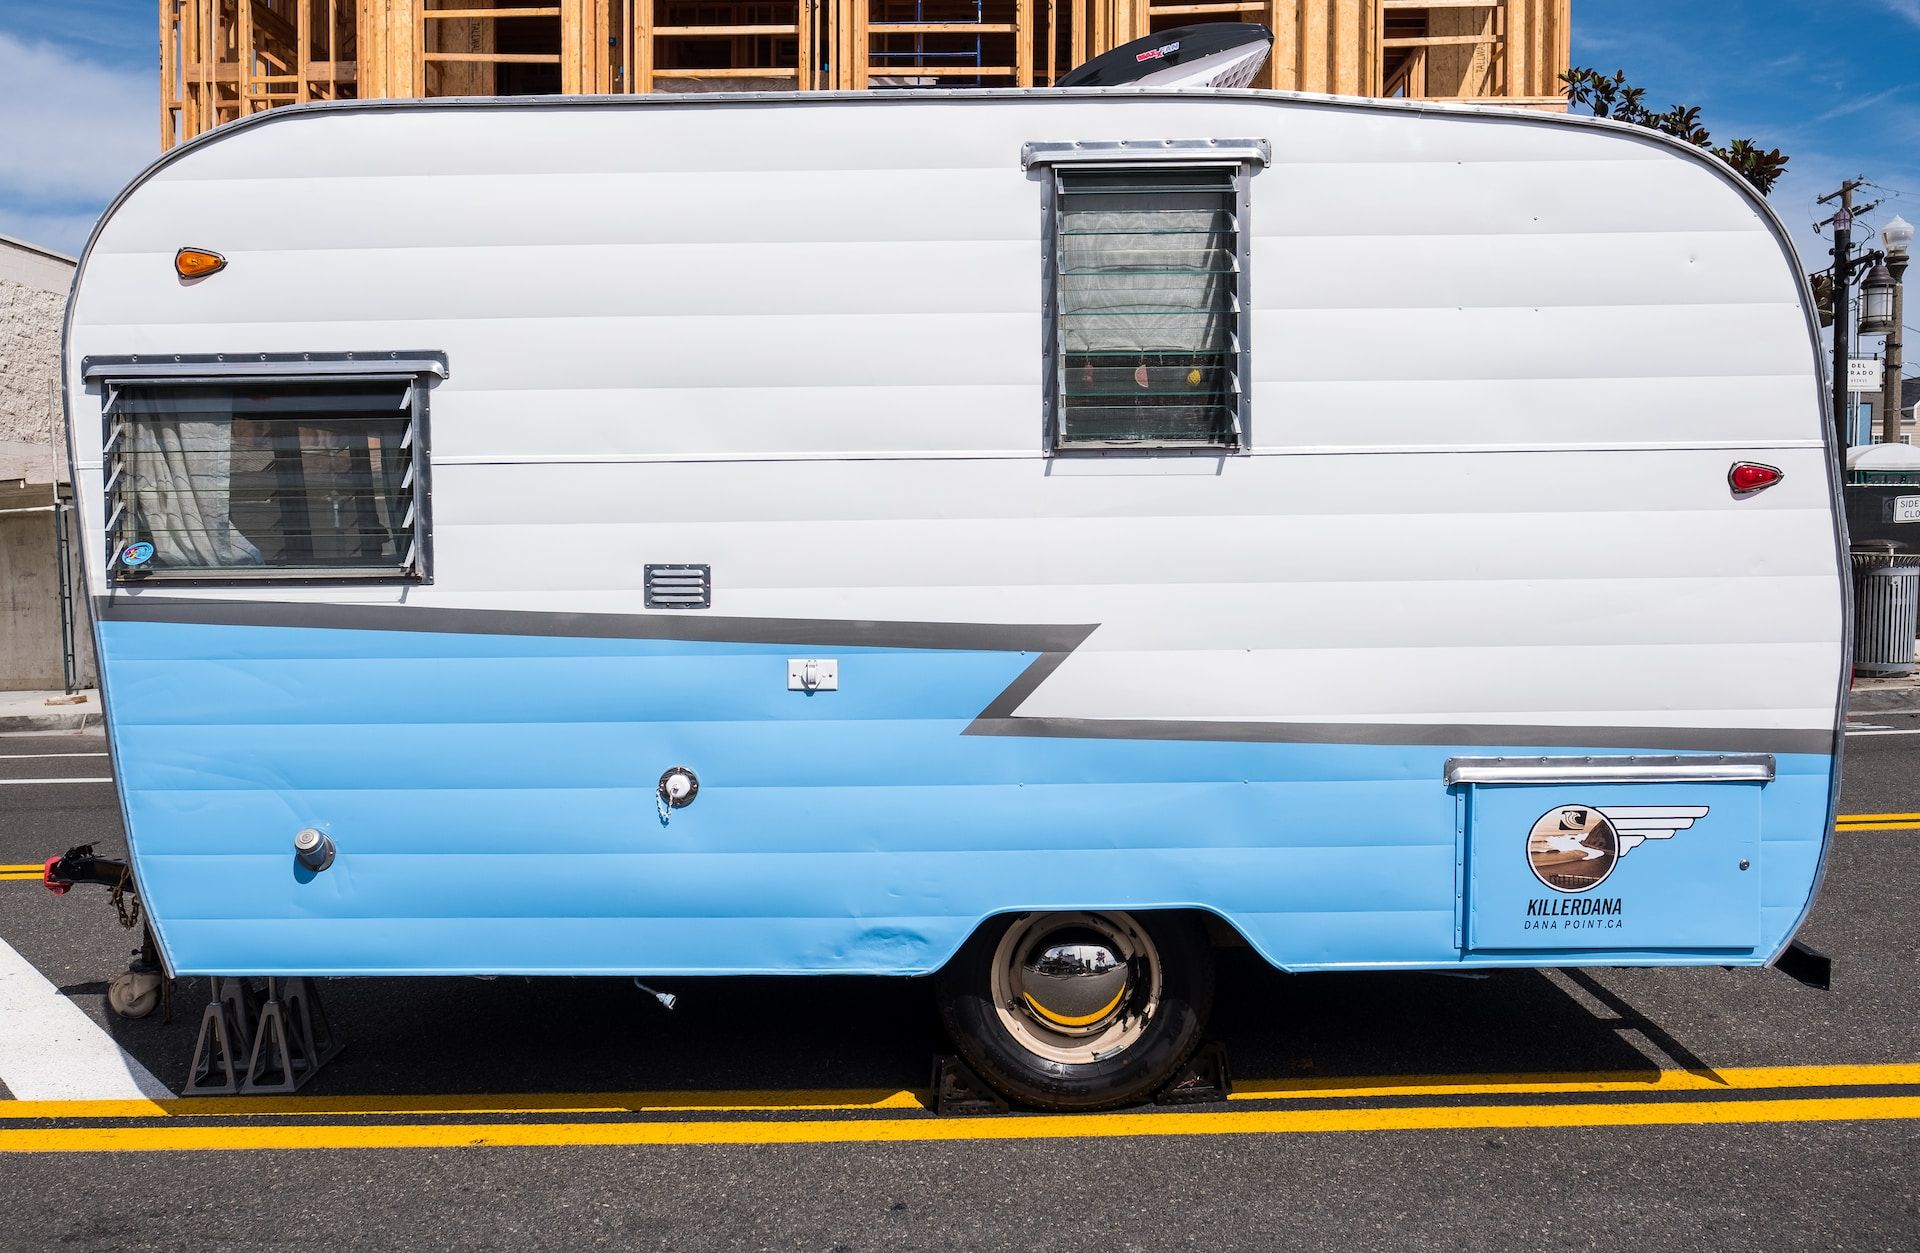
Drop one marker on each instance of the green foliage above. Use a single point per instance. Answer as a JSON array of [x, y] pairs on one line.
[[1613, 97], [1823, 296]]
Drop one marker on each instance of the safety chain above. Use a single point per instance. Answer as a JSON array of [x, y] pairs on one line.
[[129, 918]]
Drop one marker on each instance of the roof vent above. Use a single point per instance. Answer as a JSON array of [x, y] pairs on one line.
[[1215, 54]]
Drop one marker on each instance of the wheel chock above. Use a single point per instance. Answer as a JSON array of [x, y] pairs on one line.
[[958, 1090], [1204, 1080]]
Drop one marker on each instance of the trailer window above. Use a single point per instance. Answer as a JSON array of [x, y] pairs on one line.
[[265, 479], [1147, 308]]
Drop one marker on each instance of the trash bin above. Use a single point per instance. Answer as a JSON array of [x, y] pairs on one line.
[[1886, 608]]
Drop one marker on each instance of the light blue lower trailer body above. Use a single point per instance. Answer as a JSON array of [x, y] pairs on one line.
[[493, 801]]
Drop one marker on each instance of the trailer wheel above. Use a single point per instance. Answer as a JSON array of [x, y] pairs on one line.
[[134, 994], [1079, 1010]]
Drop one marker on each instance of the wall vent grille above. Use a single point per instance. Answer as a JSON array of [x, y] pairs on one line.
[[679, 587]]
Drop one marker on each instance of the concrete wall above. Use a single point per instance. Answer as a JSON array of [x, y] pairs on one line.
[[33, 300], [30, 642], [33, 458]]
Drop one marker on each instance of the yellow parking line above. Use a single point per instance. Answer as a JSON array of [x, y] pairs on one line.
[[828, 1100], [36, 867], [1880, 818], [1731, 1079], [550, 1103], [909, 1130], [1878, 826]]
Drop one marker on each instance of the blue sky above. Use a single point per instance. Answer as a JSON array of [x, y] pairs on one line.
[[1837, 85]]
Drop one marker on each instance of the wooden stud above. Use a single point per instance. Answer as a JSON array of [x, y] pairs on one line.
[[643, 47], [1349, 39], [1563, 46], [303, 52], [862, 63], [1051, 50], [803, 45], [167, 10], [1314, 61], [1282, 72], [1519, 42], [572, 50], [246, 58]]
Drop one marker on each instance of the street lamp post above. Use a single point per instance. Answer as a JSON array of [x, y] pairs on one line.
[[1897, 237]]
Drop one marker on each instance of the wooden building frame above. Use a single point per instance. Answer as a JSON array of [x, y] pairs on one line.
[[223, 59]]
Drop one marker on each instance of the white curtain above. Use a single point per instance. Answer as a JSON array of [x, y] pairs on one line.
[[180, 476]]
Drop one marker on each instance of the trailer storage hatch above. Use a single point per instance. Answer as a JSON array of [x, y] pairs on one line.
[[1615, 853]]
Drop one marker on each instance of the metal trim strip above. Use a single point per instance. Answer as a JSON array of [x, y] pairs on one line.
[[190, 367], [1716, 768], [1131, 151]]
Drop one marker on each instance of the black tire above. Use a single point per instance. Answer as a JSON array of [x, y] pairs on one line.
[[1129, 1076]]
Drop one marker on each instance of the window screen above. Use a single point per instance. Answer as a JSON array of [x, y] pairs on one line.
[[263, 479], [1147, 308]]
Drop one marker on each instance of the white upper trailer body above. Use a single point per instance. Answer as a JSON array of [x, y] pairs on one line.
[[792, 533]]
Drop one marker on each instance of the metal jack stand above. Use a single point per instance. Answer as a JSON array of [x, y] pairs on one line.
[[285, 1036], [226, 1027]]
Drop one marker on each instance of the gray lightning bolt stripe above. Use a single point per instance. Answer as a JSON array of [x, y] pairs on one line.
[[1052, 644]]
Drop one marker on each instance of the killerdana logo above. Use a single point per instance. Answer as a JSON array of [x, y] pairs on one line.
[[1574, 848]]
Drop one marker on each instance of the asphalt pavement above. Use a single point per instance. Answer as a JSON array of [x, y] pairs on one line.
[[1591, 1109]]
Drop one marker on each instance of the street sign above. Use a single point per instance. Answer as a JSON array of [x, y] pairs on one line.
[[1865, 374], [1906, 508]]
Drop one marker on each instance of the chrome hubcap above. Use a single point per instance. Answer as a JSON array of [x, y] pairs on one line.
[[1073, 981], [1075, 987]]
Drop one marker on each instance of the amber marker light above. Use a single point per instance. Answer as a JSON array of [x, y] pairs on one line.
[[197, 263]]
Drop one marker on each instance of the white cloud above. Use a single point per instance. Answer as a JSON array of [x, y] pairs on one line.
[[76, 131], [1861, 105], [1909, 9]]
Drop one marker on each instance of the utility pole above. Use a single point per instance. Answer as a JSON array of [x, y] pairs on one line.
[[1842, 302]]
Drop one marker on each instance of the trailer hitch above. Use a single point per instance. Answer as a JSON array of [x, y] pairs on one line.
[[144, 986], [79, 865]]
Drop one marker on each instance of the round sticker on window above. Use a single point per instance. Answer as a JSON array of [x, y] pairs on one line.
[[138, 553]]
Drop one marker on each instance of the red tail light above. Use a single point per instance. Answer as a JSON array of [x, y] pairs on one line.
[[1748, 477]]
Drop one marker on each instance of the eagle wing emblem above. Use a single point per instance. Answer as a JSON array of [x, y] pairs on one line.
[[1637, 824]]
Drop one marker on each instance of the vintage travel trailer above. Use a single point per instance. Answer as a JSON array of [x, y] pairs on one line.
[[1028, 537]]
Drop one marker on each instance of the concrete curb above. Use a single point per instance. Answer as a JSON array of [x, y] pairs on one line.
[[31, 711], [62, 720]]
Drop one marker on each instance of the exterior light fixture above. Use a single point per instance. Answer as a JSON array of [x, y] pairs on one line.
[[1897, 236], [197, 262], [1876, 301]]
